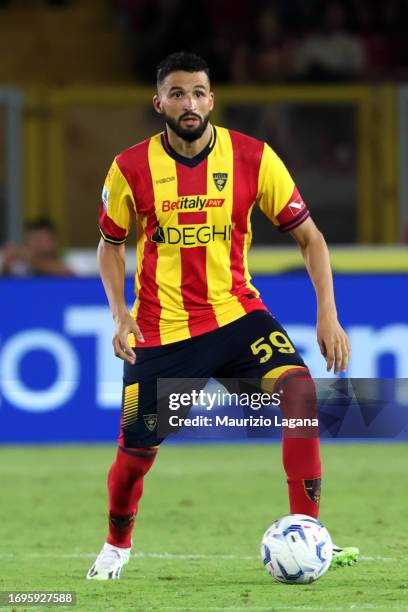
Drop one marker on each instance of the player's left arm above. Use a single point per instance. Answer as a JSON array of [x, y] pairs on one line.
[[333, 341]]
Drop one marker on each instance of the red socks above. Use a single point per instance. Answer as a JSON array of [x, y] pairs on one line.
[[301, 460], [300, 447], [125, 487]]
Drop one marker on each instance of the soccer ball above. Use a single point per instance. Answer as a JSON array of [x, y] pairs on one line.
[[296, 549]]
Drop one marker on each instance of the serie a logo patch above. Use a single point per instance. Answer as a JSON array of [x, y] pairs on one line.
[[220, 179]]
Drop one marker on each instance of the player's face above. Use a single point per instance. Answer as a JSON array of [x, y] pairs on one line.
[[185, 101]]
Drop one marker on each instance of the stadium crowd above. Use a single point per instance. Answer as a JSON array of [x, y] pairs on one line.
[[272, 41], [38, 254]]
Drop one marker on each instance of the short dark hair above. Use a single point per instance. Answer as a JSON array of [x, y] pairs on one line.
[[184, 61]]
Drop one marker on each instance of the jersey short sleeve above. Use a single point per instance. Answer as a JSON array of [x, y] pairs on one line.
[[116, 206], [278, 196]]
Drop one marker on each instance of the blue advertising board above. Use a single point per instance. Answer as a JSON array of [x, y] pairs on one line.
[[59, 379]]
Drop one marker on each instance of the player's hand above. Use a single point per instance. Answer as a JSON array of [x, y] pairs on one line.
[[334, 343], [125, 325]]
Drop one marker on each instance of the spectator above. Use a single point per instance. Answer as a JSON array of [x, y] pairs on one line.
[[269, 57], [37, 255], [381, 30], [271, 40], [332, 53]]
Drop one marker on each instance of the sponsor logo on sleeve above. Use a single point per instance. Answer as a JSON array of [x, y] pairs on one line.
[[296, 207], [105, 198]]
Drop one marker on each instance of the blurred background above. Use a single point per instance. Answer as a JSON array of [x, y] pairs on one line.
[[323, 82]]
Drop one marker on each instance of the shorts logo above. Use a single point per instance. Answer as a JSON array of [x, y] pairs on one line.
[[150, 421], [220, 179]]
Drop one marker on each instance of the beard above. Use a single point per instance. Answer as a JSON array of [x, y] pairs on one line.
[[189, 135]]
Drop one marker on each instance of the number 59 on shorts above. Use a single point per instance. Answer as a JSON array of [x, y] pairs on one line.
[[277, 340]]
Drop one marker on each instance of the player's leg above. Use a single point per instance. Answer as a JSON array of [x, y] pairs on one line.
[[125, 487], [137, 450], [261, 349], [300, 450], [300, 445], [138, 444]]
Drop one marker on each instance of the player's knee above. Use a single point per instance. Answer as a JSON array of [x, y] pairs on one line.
[[276, 375], [137, 460], [297, 393]]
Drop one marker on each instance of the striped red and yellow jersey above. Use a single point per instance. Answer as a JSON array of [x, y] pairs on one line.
[[193, 228]]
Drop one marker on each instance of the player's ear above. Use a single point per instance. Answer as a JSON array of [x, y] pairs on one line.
[[212, 100], [157, 104]]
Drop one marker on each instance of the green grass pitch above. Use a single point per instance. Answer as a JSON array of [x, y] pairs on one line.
[[198, 533]]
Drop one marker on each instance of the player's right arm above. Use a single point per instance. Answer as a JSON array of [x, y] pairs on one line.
[[111, 261], [114, 219]]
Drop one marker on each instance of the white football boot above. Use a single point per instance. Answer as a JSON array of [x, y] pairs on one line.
[[109, 563]]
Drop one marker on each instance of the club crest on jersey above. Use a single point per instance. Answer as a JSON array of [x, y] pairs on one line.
[[150, 421], [220, 179]]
